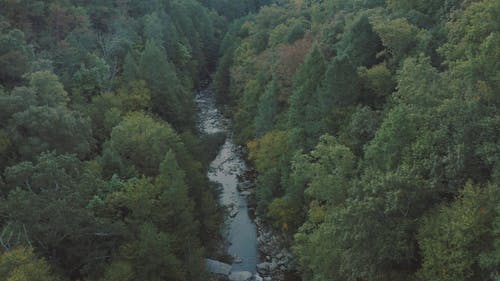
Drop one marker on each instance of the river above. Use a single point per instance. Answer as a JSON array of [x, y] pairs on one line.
[[226, 168]]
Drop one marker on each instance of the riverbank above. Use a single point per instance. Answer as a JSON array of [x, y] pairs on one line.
[[250, 245], [275, 258], [225, 170]]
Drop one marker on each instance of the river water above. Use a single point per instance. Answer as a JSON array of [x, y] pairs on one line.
[[225, 170]]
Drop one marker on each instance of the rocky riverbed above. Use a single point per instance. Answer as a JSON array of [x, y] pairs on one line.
[[226, 170], [258, 253], [275, 258]]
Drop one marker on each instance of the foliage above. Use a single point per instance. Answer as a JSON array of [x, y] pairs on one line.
[[405, 187], [22, 264], [15, 55], [372, 126], [93, 179], [454, 237], [137, 146]]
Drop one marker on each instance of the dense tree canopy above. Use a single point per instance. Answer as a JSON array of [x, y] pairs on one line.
[[100, 175], [379, 161], [372, 126]]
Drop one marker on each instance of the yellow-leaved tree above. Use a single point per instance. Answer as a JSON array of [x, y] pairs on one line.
[[21, 264]]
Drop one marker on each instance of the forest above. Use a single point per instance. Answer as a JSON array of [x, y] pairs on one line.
[[371, 126]]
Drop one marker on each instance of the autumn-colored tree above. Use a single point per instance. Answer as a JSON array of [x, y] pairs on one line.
[[22, 264]]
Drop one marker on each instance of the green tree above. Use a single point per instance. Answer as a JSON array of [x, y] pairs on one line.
[[108, 109], [340, 90], [360, 43], [49, 91], [152, 256], [244, 118], [178, 210], [153, 29], [119, 270], [473, 46], [399, 37], [130, 67], [170, 100], [168, 212], [370, 235], [22, 264], [137, 146], [222, 80], [454, 237], [267, 110], [322, 176], [377, 83], [63, 229], [270, 155], [361, 128], [15, 56], [92, 78], [332, 166], [18, 100], [302, 110], [420, 88], [42, 128]]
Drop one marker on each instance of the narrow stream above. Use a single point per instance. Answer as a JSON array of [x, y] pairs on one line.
[[225, 169]]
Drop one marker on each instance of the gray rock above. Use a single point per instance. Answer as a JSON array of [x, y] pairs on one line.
[[233, 211], [273, 266], [263, 268], [245, 193], [268, 279], [218, 267], [244, 185], [240, 276]]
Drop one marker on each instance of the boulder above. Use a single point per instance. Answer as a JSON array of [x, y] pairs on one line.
[[240, 276], [266, 267], [244, 185], [233, 211], [272, 266], [245, 193], [263, 268], [217, 267]]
